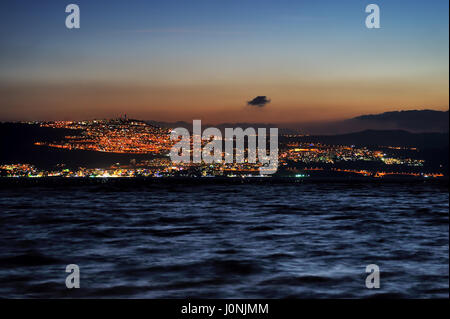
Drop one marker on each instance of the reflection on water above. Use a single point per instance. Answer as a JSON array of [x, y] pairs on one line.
[[225, 241]]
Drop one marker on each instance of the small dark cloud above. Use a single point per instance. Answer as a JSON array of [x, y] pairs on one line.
[[259, 101]]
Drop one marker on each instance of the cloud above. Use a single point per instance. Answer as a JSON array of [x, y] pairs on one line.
[[259, 101]]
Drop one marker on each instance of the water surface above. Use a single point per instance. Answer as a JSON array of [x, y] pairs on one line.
[[225, 241]]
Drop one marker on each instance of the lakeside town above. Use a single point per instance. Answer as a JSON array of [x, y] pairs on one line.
[[298, 159]]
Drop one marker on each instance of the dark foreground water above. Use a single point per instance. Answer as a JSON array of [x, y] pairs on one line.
[[225, 241]]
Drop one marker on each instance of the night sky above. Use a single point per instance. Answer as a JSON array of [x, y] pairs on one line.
[[205, 59]]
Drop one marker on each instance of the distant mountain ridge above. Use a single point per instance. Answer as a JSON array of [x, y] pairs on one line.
[[385, 138], [415, 121], [412, 120]]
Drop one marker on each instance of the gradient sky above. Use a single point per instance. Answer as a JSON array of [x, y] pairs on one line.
[[179, 60]]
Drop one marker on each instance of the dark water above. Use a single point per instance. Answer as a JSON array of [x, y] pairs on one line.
[[225, 241]]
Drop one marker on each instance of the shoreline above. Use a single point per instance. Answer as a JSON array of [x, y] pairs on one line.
[[142, 181]]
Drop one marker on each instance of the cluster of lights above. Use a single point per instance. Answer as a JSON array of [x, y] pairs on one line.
[[113, 136], [151, 168], [138, 137], [319, 153]]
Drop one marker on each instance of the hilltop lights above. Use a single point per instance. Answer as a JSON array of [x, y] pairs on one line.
[[212, 151]]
